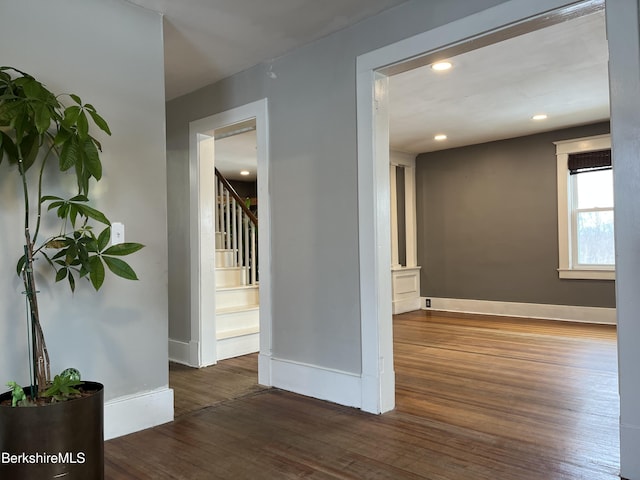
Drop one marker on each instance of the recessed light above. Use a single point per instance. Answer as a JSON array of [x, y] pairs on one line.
[[441, 66], [440, 137], [244, 172], [539, 116]]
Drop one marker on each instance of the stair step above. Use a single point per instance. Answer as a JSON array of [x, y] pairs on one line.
[[238, 332], [224, 257], [239, 318], [230, 276], [233, 297], [238, 345]]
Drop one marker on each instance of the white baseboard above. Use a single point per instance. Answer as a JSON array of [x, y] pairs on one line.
[[529, 310], [407, 305], [132, 413], [185, 353], [333, 385], [264, 370]]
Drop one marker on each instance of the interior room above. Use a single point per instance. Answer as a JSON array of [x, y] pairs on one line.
[[346, 389]]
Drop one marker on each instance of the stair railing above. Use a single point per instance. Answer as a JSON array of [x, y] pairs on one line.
[[239, 227]]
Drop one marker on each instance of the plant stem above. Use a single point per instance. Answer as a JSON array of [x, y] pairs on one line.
[[41, 368]]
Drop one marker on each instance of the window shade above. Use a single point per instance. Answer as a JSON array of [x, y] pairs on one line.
[[598, 160]]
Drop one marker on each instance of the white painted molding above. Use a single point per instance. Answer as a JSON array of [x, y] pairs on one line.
[[185, 353], [202, 216], [310, 380], [378, 384], [407, 305], [264, 369], [238, 345], [565, 242], [529, 310], [132, 413], [402, 159], [406, 289]]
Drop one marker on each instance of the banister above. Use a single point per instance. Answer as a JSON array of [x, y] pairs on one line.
[[235, 195]]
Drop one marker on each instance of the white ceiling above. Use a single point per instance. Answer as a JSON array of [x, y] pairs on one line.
[[490, 94], [208, 40]]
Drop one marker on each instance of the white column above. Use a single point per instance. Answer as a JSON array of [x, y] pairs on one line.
[[394, 217], [410, 216], [623, 33]]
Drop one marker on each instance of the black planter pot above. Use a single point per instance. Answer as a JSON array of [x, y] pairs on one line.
[[63, 440]]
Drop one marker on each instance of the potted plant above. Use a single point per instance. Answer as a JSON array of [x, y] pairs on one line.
[[63, 434]]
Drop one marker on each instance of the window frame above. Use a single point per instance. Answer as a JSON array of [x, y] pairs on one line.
[[566, 242]]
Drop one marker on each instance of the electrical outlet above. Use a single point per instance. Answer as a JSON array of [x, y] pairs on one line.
[[117, 233], [428, 303]]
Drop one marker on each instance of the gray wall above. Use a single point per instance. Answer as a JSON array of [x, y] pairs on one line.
[[313, 174], [109, 53], [488, 223]]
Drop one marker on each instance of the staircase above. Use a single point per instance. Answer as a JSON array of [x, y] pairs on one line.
[[237, 289]]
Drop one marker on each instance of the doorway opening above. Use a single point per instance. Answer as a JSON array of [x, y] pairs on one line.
[[506, 21], [230, 262]]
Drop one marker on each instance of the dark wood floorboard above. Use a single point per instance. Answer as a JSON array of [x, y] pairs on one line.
[[476, 398], [195, 389]]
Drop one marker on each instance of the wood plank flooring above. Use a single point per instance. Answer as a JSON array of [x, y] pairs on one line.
[[195, 389], [476, 398]]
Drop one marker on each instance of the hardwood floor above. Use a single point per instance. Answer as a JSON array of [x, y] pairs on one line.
[[477, 398], [195, 389]]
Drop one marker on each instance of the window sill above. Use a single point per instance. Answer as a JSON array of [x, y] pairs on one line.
[[586, 274]]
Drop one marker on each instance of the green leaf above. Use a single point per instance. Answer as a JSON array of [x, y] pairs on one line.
[[97, 215], [33, 89], [92, 159], [120, 268], [61, 274], [73, 214], [30, 146], [42, 117], [123, 249], [63, 211], [76, 99], [9, 147], [96, 274], [69, 154], [71, 115], [72, 282], [83, 125], [71, 254], [21, 263], [99, 121], [79, 198], [103, 238], [62, 136], [46, 198], [53, 205]]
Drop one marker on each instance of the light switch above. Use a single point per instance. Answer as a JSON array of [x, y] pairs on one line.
[[117, 233]]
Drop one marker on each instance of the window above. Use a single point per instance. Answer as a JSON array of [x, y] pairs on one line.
[[585, 208]]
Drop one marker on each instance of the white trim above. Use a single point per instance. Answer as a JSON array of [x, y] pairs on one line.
[[185, 353], [132, 413], [378, 384], [529, 310], [407, 305], [243, 342], [313, 381], [587, 274], [203, 246], [402, 159], [565, 242]]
